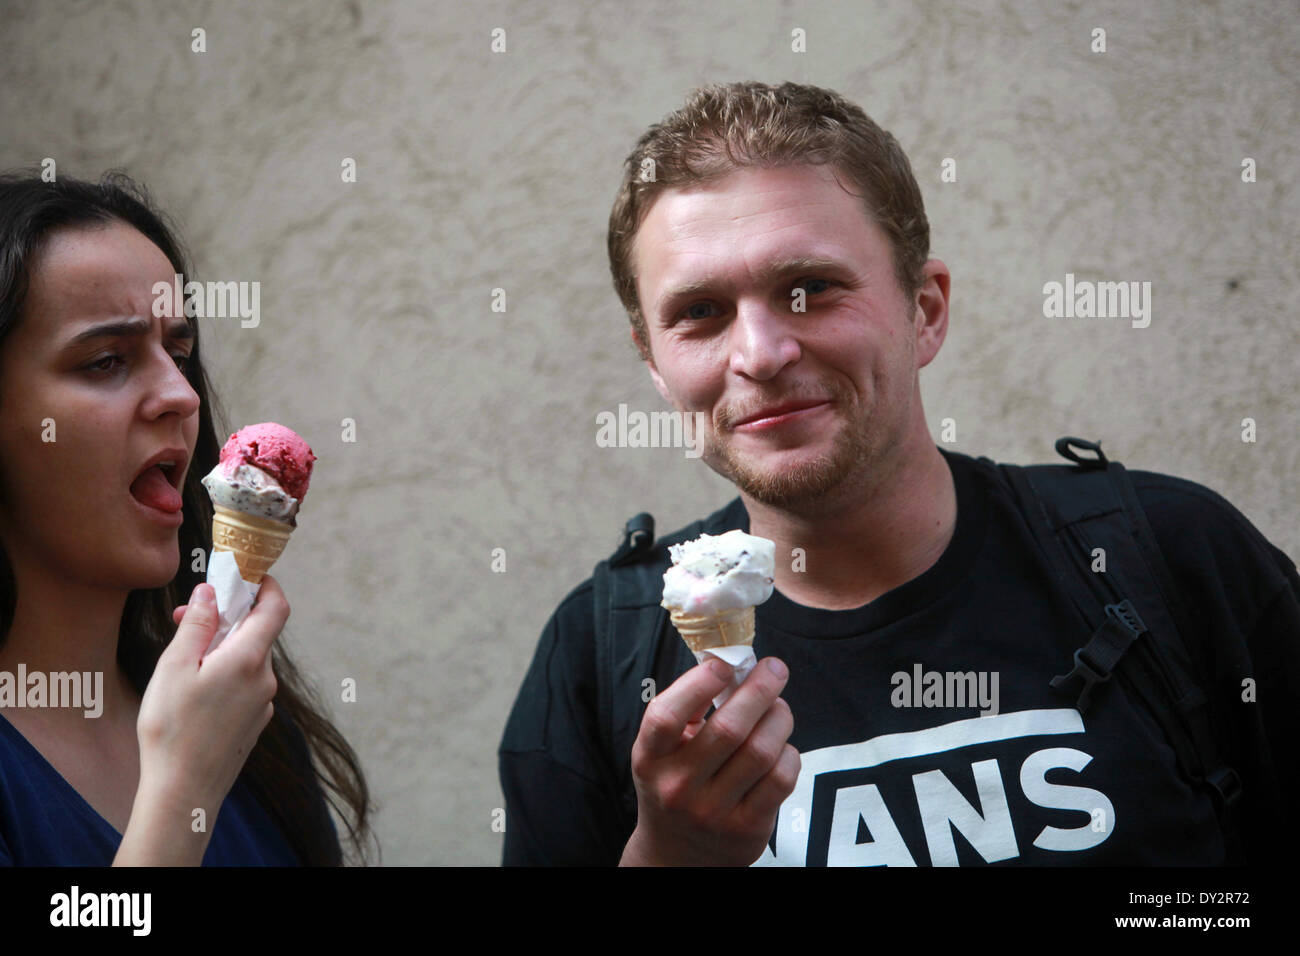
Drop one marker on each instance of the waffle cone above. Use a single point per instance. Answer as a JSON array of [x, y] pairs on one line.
[[726, 628], [255, 541]]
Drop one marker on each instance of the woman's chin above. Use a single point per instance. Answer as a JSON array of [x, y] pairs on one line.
[[158, 572]]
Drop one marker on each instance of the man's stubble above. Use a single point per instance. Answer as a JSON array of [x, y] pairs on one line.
[[806, 486]]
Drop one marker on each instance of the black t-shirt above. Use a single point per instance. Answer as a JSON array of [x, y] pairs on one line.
[[889, 778]]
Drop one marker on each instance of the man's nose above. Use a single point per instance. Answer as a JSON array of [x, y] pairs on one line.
[[762, 341]]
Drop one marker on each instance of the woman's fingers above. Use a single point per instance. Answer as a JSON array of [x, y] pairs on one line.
[[198, 622], [258, 631]]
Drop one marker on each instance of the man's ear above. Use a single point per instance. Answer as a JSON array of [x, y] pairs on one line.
[[639, 343], [931, 315], [649, 360], [659, 381]]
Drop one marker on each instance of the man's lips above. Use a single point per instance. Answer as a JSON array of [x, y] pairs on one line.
[[780, 414]]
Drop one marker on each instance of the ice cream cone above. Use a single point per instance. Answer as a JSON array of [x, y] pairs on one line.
[[726, 628], [255, 541]]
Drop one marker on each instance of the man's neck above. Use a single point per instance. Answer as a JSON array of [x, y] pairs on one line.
[[886, 532]]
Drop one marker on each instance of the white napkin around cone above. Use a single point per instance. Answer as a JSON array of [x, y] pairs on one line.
[[234, 595], [739, 656]]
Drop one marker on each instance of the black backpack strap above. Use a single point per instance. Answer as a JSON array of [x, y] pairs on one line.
[[629, 626], [1132, 609], [634, 639]]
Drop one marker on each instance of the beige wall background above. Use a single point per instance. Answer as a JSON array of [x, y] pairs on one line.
[[478, 170]]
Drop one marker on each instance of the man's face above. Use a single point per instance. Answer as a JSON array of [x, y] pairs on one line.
[[799, 403]]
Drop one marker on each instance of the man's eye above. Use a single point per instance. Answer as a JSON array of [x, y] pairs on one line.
[[694, 311], [813, 286]]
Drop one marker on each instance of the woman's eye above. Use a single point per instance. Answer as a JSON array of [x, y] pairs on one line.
[[182, 363], [108, 363]]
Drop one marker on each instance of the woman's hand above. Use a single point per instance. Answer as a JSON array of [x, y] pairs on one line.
[[199, 719]]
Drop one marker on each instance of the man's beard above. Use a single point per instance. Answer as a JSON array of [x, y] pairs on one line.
[[799, 487]]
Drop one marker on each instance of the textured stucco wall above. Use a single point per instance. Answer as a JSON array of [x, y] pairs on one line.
[[478, 170]]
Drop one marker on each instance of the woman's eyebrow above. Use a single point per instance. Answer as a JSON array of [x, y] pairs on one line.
[[119, 328], [181, 330]]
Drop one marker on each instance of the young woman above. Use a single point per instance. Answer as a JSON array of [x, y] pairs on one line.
[[223, 758]]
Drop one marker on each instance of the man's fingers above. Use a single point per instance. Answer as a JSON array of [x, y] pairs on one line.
[[685, 700], [756, 757], [695, 723], [765, 798], [732, 724]]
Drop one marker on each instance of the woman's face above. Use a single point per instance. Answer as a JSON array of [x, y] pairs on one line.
[[92, 390]]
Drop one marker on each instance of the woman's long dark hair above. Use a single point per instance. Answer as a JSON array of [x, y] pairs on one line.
[[280, 772]]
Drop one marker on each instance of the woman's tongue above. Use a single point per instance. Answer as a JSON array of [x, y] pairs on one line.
[[153, 489]]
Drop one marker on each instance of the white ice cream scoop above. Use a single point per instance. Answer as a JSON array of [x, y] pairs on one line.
[[719, 572]]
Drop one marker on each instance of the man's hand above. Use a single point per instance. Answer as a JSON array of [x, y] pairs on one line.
[[708, 791]]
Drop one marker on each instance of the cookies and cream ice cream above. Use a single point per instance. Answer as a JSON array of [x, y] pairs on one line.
[[717, 573], [711, 591], [252, 491]]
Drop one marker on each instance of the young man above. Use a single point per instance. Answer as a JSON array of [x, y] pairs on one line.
[[770, 246]]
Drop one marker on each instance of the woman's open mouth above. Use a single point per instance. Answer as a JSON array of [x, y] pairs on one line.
[[155, 487]]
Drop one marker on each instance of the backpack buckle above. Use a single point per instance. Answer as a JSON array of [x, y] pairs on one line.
[[1065, 450], [638, 538], [1122, 626], [1088, 672], [1227, 787], [1126, 614]]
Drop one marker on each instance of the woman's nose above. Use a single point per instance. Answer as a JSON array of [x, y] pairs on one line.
[[171, 391]]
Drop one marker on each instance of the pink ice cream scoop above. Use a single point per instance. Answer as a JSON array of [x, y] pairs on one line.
[[256, 489], [276, 450]]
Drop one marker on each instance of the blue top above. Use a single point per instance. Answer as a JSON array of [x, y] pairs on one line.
[[45, 822]]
